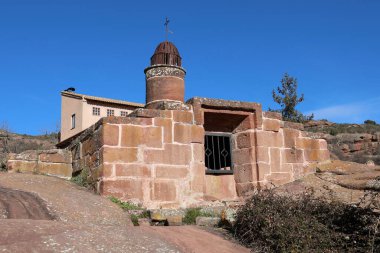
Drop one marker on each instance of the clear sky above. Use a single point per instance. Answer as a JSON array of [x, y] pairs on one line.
[[236, 50]]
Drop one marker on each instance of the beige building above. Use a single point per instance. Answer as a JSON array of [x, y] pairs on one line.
[[78, 112]]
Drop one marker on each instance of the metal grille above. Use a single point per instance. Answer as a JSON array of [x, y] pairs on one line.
[[218, 152]]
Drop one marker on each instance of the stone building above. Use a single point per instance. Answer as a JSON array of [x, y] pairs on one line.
[[171, 153]]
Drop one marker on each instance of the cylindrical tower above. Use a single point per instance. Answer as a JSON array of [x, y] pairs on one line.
[[165, 78]]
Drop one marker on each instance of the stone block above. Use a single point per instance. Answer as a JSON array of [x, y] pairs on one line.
[[132, 170], [222, 187], [164, 191], [124, 189], [279, 178], [245, 140], [134, 136], [292, 155], [275, 159], [262, 170], [29, 155], [171, 172], [207, 221], [174, 220], [56, 169], [245, 173], [307, 143], [119, 155], [182, 133], [262, 154], [167, 125], [172, 154], [290, 136], [197, 134], [272, 115], [92, 144], [108, 170], [269, 139], [59, 156], [183, 117], [198, 152], [198, 177], [21, 166], [244, 156], [111, 135], [271, 125]]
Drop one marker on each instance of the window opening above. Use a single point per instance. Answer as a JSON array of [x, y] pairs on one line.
[[73, 121], [96, 111], [218, 153], [110, 112]]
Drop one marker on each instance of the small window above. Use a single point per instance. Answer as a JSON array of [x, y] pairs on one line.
[[218, 153], [123, 113], [96, 111], [73, 121], [110, 112]]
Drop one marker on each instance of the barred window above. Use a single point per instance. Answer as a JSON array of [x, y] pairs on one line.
[[96, 111], [218, 153], [123, 113], [110, 112]]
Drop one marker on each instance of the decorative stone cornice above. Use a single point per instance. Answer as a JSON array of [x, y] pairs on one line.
[[164, 70]]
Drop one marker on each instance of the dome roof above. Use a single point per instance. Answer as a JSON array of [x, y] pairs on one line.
[[166, 53]]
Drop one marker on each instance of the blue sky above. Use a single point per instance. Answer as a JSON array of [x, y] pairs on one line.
[[235, 50]]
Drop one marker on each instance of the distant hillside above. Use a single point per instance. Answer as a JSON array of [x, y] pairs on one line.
[[349, 142], [17, 143]]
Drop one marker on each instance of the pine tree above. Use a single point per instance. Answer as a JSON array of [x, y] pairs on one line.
[[286, 96]]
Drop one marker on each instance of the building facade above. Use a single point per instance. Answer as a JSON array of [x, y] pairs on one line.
[[78, 112]]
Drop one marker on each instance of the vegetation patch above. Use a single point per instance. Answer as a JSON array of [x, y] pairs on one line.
[[273, 223], [192, 214], [81, 179], [136, 212]]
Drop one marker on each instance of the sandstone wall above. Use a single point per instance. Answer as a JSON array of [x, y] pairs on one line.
[[54, 162], [156, 157]]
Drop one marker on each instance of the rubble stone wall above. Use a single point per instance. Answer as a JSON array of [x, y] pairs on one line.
[[55, 162]]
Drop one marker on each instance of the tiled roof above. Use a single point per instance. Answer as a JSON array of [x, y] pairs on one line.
[[100, 99]]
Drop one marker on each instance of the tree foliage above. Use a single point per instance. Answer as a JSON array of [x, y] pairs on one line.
[[286, 96]]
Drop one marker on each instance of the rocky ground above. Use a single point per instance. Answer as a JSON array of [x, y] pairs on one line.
[[46, 214], [341, 180], [349, 142]]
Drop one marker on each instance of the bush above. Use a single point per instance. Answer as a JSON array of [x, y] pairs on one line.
[[273, 223], [370, 122]]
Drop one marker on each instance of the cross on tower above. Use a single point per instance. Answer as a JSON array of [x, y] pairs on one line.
[[167, 31]]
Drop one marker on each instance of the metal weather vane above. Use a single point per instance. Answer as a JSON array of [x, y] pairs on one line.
[[167, 31]]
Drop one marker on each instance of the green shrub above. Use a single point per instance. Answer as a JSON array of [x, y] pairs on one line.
[[274, 223]]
